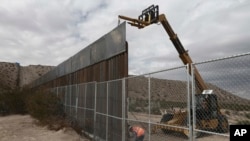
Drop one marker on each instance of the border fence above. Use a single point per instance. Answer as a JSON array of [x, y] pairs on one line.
[[149, 100], [105, 59]]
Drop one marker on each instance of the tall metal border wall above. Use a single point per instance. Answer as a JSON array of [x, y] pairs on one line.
[[104, 60]]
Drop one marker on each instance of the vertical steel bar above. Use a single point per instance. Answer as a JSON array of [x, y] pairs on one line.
[[84, 112], [107, 111], [57, 92], [77, 91], [189, 104], [65, 101], [123, 109], [193, 103], [95, 110], [70, 112], [149, 105]]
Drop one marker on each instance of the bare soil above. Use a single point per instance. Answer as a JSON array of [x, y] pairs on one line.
[[24, 128], [171, 136]]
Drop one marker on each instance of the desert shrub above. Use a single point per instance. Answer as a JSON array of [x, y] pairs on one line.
[[42, 105], [227, 112], [243, 122], [45, 106], [141, 102], [14, 101], [235, 106], [132, 107], [247, 115], [3, 105], [170, 104], [155, 111]]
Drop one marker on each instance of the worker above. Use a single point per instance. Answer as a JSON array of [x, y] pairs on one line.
[[137, 132]]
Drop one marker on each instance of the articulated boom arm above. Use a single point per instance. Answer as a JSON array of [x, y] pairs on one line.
[[150, 16]]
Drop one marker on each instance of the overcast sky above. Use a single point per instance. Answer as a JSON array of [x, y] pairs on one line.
[[47, 32]]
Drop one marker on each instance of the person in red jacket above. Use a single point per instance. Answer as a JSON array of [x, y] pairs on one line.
[[137, 132]]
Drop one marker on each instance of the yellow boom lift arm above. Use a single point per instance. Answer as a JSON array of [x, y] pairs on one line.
[[151, 16]]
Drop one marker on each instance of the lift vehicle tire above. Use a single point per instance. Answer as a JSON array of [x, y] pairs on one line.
[[223, 124], [165, 118]]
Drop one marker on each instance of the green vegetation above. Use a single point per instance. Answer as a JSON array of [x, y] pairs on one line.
[[227, 112], [42, 105], [141, 105], [247, 115], [235, 107], [169, 104], [14, 102], [243, 122], [155, 111]]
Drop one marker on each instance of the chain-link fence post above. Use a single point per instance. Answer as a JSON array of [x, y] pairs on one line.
[[123, 109], [70, 102], [193, 104], [189, 100], [65, 99], [149, 105], [94, 109], [107, 111], [85, 105], [56, 91], [77, 92]]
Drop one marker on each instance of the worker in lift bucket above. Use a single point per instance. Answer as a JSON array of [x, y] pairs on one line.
[[137, 133]]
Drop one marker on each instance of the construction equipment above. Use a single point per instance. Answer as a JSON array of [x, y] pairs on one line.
[[209, 118]]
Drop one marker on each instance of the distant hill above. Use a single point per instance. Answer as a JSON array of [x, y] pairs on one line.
[[173, 90], [12, 75]]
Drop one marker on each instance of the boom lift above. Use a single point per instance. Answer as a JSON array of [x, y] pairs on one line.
[[209, 118]]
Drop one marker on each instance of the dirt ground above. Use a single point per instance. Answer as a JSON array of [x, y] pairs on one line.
[[171, 136], [23, 128]]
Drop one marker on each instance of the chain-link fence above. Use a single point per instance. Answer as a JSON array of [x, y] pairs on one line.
[[164, 103], [153, 99], [229, 79]]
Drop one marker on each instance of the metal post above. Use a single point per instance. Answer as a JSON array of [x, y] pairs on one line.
[[95, 111], [107, 111], [70, 101], [65, 96], [193, 103], [189, 104], [84, 112], [57, 92], [123, 109], [77, 91], [149, 106]]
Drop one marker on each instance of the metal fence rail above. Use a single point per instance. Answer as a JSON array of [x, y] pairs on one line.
[[105, 109]]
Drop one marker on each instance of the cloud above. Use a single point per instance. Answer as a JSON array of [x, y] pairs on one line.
[[220, 33], [48, 32]]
